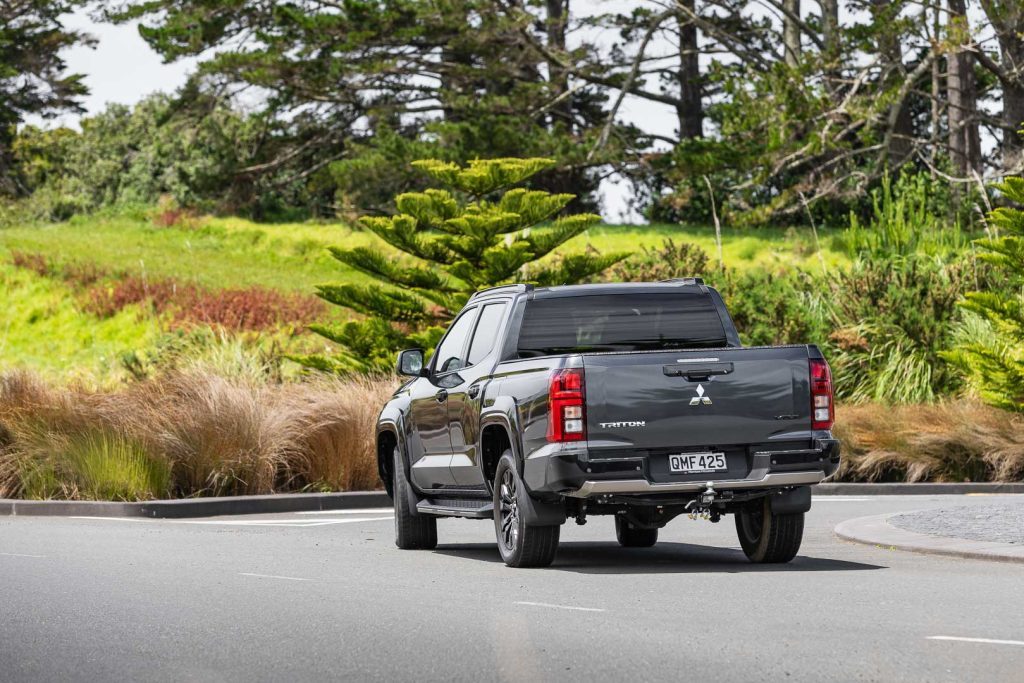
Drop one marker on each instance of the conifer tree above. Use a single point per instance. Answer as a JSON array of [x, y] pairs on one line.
[[994, 362], [480, 229]]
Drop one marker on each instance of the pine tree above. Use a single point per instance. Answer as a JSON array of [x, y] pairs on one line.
[[481, 229], [994, 362]]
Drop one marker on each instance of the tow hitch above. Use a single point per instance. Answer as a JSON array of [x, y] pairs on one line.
[[701, 505]]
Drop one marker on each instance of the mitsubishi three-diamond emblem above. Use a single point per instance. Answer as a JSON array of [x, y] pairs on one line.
[[700, 397]]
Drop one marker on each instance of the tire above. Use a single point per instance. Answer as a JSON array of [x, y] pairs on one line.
[[634, 537], [412, 532], [520, 544], [766, 537]]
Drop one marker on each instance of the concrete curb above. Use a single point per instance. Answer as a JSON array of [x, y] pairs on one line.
[[198, 507], [877, 531], [925, 489]]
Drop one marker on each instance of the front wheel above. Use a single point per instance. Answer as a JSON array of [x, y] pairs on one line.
[[520, 544], [767, 537]]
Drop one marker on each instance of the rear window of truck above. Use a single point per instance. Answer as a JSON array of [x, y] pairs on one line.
[[620, 322]]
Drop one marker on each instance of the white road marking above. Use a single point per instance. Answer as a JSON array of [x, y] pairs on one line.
[[283, 522], [245, 522], [114, 519], [21, 555], [989, 641], [364, 511], [569, 607], [272, 576]]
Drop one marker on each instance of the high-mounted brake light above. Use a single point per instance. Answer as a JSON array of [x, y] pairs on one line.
[[566, 417], [822, 406]]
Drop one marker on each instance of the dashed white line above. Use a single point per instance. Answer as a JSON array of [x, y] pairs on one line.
[[989, 641], [272, 576], [568, 607], [21, 555]]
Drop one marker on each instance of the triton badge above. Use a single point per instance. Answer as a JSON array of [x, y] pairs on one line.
[[700, 397], [627, 423]]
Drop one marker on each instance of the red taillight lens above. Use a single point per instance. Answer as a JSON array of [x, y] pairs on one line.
[[823, 414], [566, 418]]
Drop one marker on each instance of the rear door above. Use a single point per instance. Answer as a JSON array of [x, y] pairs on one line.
[[464, 400], [695, 399]]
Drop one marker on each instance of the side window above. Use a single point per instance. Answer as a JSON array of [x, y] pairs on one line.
[[486, 332], [449, 353]]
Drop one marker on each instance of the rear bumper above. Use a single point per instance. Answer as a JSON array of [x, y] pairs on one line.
[[566, 470], [620, 486]]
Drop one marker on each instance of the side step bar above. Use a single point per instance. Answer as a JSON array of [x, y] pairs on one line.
[[456, 508]]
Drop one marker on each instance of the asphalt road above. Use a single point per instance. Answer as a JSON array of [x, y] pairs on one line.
[[328, 596]]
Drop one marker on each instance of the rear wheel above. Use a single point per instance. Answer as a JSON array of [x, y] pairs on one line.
[[520, 544], [634, 537], [767, 537], [412, 532]]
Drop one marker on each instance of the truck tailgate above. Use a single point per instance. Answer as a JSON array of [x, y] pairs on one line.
[[691, 400]]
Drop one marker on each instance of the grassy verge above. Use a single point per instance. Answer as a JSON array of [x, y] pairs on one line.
[[185, 434], [200, 432]]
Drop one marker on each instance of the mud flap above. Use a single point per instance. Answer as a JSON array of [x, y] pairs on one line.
[[791, 501], [539, 513]]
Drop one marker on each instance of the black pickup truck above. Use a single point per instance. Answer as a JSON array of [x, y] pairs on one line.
[[632, 400]]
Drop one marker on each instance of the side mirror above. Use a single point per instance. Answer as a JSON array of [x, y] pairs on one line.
[[410, 363]]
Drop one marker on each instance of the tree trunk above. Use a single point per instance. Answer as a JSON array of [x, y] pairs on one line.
[[690, 110], [832, 38], [791, 32], [1007, 18], [964, 141], [557, 19], [900, 140]]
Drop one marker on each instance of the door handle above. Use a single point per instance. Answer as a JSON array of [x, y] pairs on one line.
[[474, 391], [441, 396]]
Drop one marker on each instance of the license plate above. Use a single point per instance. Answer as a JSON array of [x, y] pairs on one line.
[[686, 463]]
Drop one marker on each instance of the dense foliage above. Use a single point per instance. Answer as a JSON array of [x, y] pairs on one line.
[[33, 74], [481, 229], [993, 358]]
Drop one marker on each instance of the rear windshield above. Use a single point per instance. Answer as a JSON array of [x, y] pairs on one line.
[[620, 322]]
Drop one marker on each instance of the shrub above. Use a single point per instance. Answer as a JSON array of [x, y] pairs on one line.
[[776, 308], [959, 441], [189, 433], [994, 362], [893, 319], [671, 260]]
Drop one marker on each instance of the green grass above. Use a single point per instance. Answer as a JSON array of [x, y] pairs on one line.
[[233, 252], [43, 328]]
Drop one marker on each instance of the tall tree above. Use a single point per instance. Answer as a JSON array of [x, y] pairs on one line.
[[33, 75], [481, 229]]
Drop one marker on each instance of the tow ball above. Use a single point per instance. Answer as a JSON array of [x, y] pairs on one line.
[[701, 505]]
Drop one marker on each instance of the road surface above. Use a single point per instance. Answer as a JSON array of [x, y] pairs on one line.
[[315, 596]]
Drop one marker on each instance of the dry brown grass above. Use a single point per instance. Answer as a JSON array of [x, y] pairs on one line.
[[217, 435], [955, 441]]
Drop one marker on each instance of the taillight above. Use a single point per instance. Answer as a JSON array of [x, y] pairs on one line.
[[566, 417], [822, 409]]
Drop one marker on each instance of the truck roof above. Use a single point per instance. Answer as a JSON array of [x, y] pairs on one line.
[[559, 291]]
